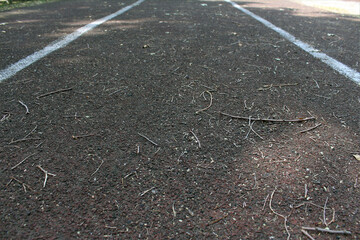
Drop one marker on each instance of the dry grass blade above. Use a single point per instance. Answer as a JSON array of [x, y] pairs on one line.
[[278, 214], [268, 119], [22, 161], [54, 92], [210, 104], [325, 230], [310, 129]]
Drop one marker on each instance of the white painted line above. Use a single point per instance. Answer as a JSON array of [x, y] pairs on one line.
[[333, 63], [60, 43]]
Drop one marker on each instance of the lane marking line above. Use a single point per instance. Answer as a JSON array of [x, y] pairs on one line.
[[60, 43], [333, 63]]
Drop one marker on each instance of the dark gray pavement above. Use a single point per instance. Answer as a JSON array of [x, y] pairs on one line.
[[153, 71]]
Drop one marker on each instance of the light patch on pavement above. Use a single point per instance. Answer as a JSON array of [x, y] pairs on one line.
[[333, 63], [352, 8], [60, 43]]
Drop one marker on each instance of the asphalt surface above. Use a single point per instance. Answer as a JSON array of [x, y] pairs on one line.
[[143, 72], [25, 31]]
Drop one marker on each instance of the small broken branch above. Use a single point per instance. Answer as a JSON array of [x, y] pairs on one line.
[[26, 107], [146, 191], [307, 234], [22, 183], [102, 161], [251, 129], [312, 128], [25, 138], [174, 211], [280, 215], [46, 174], [196, 138], [22, 161], [54, 92], [268, 119], [211, 100], [324, 215], [130, 174], [265, 87], [5, 117], [148, 139], [217, 220], [83, 136], [267, 196], [345, 232]]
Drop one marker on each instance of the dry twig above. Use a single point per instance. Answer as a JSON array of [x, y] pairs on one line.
[[46, 174], [130, 174], [146, 191], [265, 87], [280, 215], [345, 232], [26, 107], [267, 196], [312, 128], [148, 139], [217, 220], [307, 234], [211, 100], [22, 183], [251, 129], [84, 136], [54, 92], [324, 215], [173, 208], [268, 119], [5, 117], [311, 203], [22, 161], [102, 161], [196, 138], [25, 138]]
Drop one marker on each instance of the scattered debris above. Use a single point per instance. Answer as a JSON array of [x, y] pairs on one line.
[[326, 230], [84, 136], [357, 157], [310, 129], [280, 215], [22, 161], [5, 117], [269, 119], [266, 87], [217, 220], [26, 107], [22, 183], [54, 92], [146, 191], [210, 104], [196, 138], [174, 211], [46, 174], [26, 137], [307, 234], [151, 141], [251, 129], [102, 161]]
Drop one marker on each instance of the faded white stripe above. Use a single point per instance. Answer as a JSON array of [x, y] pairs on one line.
[[25, 62], [333, 63]]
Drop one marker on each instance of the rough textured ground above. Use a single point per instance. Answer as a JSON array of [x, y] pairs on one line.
[[165, 70]]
